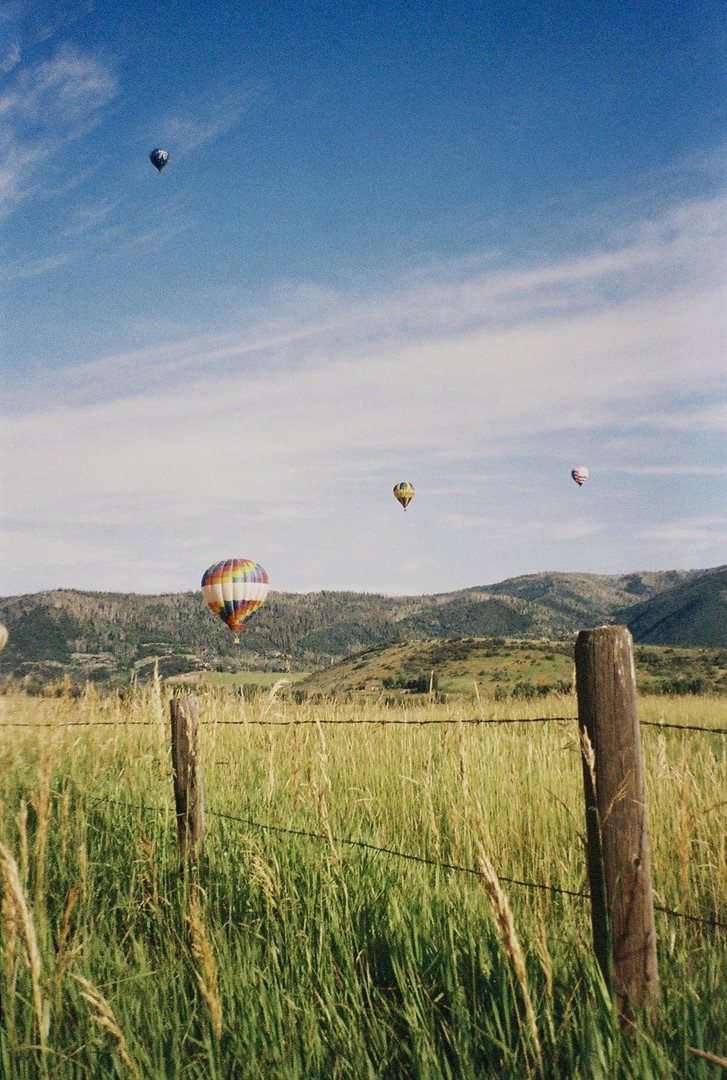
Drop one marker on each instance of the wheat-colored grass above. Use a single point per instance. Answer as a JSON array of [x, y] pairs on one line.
[[105, 1018], [300, 953], [19, 926], [207, 977], [510, 942]]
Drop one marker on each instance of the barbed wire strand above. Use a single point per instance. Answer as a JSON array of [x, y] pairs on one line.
[[78, 723], [392, 723], [455, 867], [285, 723], [684, 727], [476, 721], [392, 851]]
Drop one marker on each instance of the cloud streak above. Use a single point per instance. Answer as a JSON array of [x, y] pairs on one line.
[[323, 403], [196, 122], [44, 107]]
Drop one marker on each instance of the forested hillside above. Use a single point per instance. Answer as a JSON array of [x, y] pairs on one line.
[[105, 635], [694, 612]]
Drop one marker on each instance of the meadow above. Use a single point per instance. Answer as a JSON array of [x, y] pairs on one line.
[[305, 944]]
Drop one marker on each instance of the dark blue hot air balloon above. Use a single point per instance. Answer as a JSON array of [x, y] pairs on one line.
[[159, 158]]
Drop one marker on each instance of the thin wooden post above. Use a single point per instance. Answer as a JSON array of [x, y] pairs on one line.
[[188, 787], [619, 866]]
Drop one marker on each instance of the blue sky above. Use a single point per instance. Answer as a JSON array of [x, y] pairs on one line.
[[468, 245]]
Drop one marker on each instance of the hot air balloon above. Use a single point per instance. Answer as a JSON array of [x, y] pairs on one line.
[[404, 492], [580, 474], [235, 589], [3, 637], [159, 158]]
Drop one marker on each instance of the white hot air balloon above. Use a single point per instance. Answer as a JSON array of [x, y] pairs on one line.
[[580, 474]]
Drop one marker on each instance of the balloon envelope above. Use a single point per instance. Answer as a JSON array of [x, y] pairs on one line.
[[404, 492], [235, 589], [3, 636], [159, 158], [580, 474]]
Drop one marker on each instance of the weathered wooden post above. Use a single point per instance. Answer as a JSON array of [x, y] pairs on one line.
[[188, 787], [619, 867]]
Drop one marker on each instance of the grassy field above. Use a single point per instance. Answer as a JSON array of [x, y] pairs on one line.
[[234, 680], [302, 956]]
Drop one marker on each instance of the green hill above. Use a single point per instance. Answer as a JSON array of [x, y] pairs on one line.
[[694, 612], [505, 668]]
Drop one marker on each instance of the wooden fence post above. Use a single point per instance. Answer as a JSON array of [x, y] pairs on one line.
[[187, 771], [619, 866]]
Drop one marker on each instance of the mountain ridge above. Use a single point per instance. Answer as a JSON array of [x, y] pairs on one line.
[[105, 632]]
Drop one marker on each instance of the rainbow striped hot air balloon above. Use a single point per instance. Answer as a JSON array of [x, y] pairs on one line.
[[404, 492], [580, 474], [234, 590]]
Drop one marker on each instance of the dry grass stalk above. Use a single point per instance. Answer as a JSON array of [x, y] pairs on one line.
[[295, 771], [663, 770], [65, 821], [263, 875], [463, 763], [15, 907], [10, 954], [505, 925], [22, 820], [41, 806], [713, 1059], [546, 963], [106, 1019], [66, 952], [10, 928], [684, 829], [83, 870], [427, 787], [150, 878], [207, 977], [326, 823], [321, 789], [271, 766], [271, 697]]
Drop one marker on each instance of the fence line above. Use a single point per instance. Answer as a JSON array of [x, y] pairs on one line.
[[390, 723], [78, 723], [475, 721], [312, 835], [295, 723]]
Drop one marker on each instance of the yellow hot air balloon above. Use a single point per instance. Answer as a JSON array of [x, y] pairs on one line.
[[404, 492], [3, 636]]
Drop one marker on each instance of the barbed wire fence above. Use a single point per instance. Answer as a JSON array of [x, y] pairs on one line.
[[423, 860], [370, 721], [617, 845], [609, 731]]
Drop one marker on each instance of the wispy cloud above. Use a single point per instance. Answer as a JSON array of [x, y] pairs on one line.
[[295, 423], [687, 542], [494, 351], [14, 271], [9, 57], [43, 107], [200, 120], [667, 470]]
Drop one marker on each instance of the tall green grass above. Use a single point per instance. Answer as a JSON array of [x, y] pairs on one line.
[[302, 956]]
